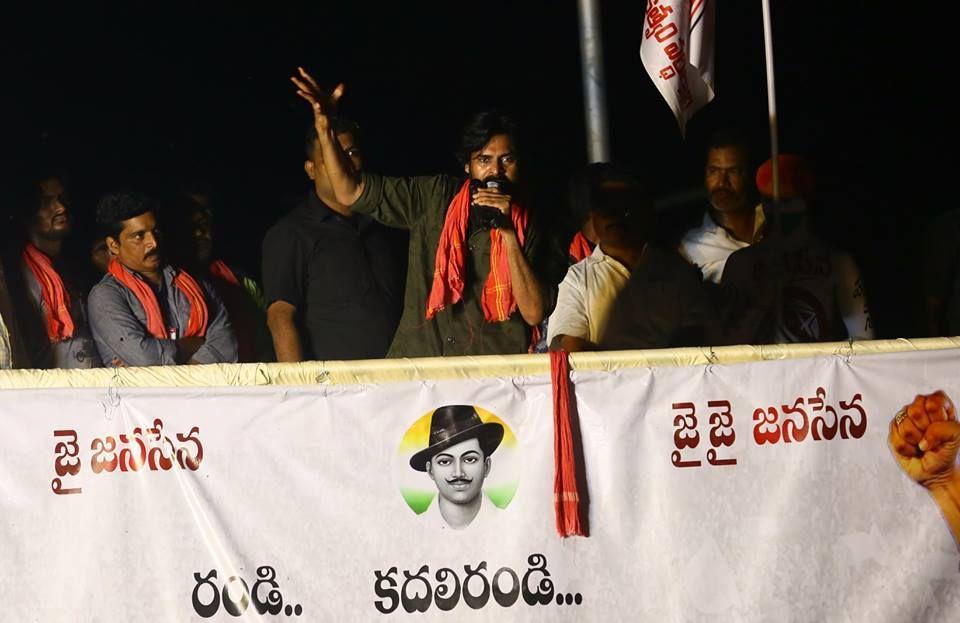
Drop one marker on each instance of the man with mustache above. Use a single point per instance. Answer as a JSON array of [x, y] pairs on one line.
[[471, 287], [145, 312], [50, 305], [458, 460], [733, 219]]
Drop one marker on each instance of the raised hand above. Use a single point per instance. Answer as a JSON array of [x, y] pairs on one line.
[[323, 103]]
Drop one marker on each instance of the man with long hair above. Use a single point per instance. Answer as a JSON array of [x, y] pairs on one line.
[[471, 287]]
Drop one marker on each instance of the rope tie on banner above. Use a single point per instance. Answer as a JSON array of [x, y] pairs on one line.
[[112, 402], [845, 351], [712, 359], [569, 504]]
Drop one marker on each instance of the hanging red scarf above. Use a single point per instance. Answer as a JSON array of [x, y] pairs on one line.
[[54, 294], [497, 300], [235, 299], [580, 247], [569, 504], [197, 322], [220, 270]]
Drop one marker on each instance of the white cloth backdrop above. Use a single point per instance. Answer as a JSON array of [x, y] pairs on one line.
[[307, 481]]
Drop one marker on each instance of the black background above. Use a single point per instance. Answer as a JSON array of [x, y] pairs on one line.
[[146, 94]]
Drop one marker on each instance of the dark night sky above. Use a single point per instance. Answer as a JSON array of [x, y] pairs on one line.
[[143, 94]]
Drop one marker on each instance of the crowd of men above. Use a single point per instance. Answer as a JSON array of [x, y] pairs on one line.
[[486, 272]]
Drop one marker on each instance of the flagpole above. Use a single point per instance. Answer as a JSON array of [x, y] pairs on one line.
[[772, 106], [594, 84], [774, 157]]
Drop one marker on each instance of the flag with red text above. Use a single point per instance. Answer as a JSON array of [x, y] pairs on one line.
[[677, 52]]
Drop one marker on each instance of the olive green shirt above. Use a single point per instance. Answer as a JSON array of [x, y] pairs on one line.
[[419, 204]]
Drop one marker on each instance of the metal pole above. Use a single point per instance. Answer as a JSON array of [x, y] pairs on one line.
[[594, 84], [771, 100], [774, 161]]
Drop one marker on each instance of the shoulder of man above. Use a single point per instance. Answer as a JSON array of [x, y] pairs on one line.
[[576, 273], [107, 288], [287, 234], [442, 186], [287, 225]]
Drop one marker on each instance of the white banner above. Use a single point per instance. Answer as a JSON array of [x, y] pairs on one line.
[[677, 52], [752, 492]]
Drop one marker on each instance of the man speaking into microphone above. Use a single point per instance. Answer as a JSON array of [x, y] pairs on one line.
[[471, 287]]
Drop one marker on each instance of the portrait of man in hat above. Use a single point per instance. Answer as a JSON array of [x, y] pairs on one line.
[[458, 459]]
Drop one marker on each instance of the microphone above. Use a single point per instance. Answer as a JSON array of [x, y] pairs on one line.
[[490, 218]]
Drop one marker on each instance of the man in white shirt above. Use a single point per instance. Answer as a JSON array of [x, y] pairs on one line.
[[620, 214], [733, 219]]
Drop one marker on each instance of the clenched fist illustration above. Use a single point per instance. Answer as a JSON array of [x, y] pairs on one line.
[[924, 438]]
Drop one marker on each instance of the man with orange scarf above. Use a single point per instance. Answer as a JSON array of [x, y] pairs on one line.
[[145, 312], [189, 231], [471, 287], [50, 306]]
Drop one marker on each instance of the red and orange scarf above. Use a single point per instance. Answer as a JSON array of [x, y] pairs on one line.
[[220, 270], [55, 296], [497, 300], [580, 247], [233, 295], [196, 323]]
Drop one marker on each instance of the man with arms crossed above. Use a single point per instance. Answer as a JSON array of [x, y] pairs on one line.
[[145, 312]]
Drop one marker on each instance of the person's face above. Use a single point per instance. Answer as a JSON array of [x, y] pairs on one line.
[[459, 471], [497, 159], [618, 232], [314, 168], [52, 219], [99, 255], [139, 245], [201, 233], [610, 220], [727, 179]]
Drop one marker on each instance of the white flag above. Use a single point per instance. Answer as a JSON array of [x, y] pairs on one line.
[[677, 52]]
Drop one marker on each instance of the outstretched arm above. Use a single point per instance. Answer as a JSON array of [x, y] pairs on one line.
[[345, 180]]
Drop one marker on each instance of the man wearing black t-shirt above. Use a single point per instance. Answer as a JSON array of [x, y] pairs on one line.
[[332, 284]]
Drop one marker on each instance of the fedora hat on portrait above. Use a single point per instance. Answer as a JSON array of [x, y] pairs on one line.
[[451, 424]]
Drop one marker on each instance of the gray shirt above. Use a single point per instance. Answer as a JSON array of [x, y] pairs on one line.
[[119, 324], [76, 352]]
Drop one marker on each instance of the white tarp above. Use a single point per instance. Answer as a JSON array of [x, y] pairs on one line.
[[311, 488]]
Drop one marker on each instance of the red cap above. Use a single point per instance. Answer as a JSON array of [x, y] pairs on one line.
[[796, 178]]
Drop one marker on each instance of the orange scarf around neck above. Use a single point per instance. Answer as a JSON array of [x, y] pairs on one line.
[[197, 322], [55, 296], [497, 300]]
